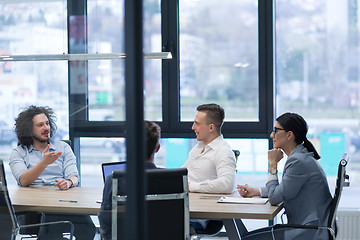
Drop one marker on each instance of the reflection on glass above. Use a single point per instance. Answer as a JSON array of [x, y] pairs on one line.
[[106, 78], [219, 57]]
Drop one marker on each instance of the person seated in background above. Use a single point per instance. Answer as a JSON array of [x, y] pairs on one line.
[[304, 188], [37, 160], [152, 146], [211, 163]]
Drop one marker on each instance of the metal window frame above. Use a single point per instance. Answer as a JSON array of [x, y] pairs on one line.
[[171, 125]]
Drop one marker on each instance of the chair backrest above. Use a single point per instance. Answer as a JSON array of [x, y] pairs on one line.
[[237, 154], [167, 204], [67, 141], [8, 220], [342, 180]]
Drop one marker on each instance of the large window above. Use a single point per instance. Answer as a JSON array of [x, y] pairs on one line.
[[317, 76], [106, 78], [172, 154], [219, 57], [223, 52], [32, 27]]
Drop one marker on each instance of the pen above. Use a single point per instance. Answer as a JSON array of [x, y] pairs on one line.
[[71, 201], [242, 188]]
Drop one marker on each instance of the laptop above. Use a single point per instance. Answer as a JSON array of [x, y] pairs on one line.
[[108, 168]]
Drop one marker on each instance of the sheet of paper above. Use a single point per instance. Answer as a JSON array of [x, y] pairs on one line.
[[243, 200]]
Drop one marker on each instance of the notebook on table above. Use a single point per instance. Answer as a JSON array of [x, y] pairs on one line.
[[108, 168], [243, 200]]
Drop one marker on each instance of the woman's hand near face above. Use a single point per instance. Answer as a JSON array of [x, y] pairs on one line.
[[274, 156]]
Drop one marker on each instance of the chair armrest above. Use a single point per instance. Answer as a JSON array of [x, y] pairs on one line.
[[27, 218], [50, 223], [281, 226]]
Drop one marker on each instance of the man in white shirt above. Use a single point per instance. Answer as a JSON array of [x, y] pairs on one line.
[[211, 163]]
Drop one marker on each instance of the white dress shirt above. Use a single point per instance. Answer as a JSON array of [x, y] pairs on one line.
[[212, 170]]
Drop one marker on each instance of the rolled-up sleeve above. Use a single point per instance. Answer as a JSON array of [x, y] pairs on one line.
[[17, 162], [70, 168]]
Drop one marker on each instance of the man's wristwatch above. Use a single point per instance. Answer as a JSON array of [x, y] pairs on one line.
[[273, 171], [71, 182]]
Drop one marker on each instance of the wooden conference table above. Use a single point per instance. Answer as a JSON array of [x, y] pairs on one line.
[[83, 200]]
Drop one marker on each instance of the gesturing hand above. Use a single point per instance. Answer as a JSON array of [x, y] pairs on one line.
[[50, 157]]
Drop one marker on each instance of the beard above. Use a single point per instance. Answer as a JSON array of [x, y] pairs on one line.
[[41, 139]]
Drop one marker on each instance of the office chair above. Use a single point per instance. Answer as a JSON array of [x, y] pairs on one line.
[[167, 204], [237, 154], [341, 181], [9, 225], [67, 141]]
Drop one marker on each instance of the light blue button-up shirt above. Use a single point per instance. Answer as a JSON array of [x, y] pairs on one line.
[[23, 158]]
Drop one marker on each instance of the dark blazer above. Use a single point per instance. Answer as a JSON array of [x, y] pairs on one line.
[[305, 192], [105, 211]]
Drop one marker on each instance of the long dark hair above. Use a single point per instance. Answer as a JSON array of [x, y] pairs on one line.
[[296, 123], [24, 123]]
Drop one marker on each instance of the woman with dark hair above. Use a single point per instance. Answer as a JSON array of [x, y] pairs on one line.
[[303, 189]]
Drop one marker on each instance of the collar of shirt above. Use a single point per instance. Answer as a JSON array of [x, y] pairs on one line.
[[298, 148], [51, 148], [214, 144]]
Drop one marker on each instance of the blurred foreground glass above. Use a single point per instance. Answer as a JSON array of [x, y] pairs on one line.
[[219, 57]]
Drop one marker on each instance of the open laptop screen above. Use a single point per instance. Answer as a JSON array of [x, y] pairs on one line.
[[108, 168]]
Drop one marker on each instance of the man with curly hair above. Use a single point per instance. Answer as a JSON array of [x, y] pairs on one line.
[[37, 160]]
